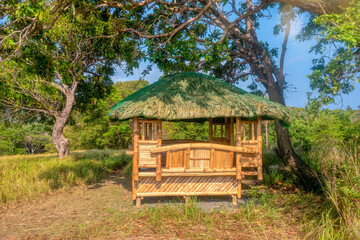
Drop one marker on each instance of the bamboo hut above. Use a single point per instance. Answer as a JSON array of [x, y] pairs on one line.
[[184, 167]]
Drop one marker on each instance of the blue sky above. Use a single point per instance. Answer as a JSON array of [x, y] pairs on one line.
[[298, 63]]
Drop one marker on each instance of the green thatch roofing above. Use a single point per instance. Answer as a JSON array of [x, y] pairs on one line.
[[185, 96]]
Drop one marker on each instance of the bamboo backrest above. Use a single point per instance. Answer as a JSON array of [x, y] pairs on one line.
[[200, 155]]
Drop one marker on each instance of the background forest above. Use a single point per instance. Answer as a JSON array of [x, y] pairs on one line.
[[312, 128]]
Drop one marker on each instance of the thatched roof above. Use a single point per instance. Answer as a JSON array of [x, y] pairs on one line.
[[196, 96]]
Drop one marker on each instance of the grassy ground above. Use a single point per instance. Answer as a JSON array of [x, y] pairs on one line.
[[88, 196], [26, 177], [104, 210]]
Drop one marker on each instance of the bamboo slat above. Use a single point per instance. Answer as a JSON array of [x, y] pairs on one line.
[[147, 165], [173, 170], [184, 185], [148, 120], [212, 156], [187, 164], [170, 194], [186, 174], [148, 141], [167, 159], [231, 159], [177, 147]]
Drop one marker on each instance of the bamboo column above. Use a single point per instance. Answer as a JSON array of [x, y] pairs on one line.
[[151, 135], [135, 174], [238, 156], [259, 139], [227, 131], [231, 131], [210, 130], [158, 156]]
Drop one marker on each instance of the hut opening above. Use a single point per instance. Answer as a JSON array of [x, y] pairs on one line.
[[232, 152]]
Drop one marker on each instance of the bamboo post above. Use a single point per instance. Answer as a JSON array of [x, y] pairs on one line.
[[143, 127], [239, 188], [159, 143], [159, 133], [210, 130], [151, 135], [221, 130], [266, 134], [238, 132], [234, 200], [158, 167], [238, 166], [238, 156], [138, 202], [243, 130], [259, 139], [227, 131], [135, 173], [252, 131], [231, 129]]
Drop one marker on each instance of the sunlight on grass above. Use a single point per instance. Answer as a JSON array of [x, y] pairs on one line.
[[24, 177]]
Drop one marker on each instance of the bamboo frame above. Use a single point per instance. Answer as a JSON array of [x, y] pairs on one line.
[[240, 148]]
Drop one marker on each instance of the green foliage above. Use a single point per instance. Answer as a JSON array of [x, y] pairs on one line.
[[186, 130], [343, 27], [340, 73], [92, 129], [27, 177], [20, 138], [11, 139]]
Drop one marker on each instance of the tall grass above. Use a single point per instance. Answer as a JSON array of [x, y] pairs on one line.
[[24, 177], [338, 214], [341, 175]]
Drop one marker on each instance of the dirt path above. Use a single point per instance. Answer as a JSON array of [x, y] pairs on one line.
[[50, 216], [62, 214]]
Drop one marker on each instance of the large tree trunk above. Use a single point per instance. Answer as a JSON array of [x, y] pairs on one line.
[[61, 143], [318, 7], [306, 175]]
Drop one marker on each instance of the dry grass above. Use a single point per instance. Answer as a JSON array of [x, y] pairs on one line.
[[26, 177]]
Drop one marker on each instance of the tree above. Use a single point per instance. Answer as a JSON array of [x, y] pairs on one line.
[[49, 69], [224, 43]]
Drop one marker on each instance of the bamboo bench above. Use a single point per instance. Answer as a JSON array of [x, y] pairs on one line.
[[191, 169]]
